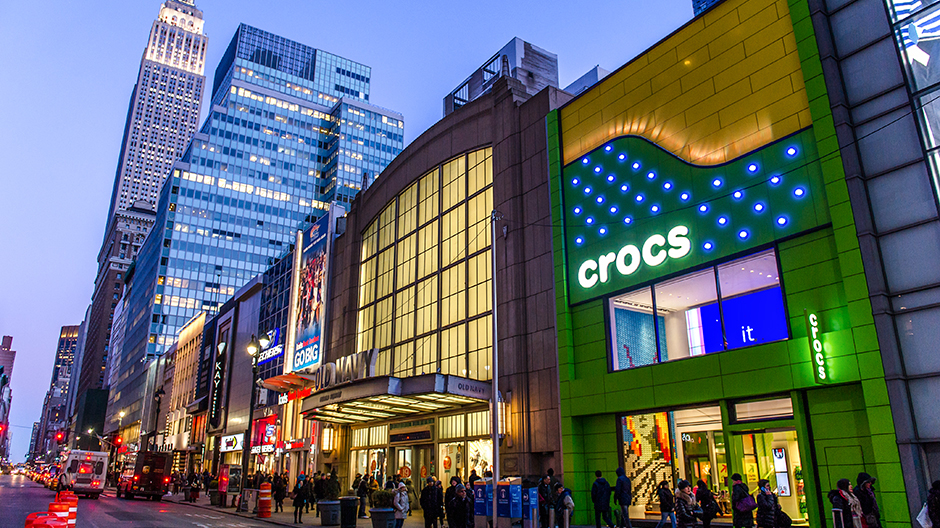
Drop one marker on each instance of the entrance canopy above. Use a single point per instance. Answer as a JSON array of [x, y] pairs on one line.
[[387, 397]]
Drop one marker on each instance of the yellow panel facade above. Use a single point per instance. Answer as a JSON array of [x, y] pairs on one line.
[[726, 84]]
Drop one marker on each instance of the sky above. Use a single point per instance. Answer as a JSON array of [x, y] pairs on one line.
[[68, 69]]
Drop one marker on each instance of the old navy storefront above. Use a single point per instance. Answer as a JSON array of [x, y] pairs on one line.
[[712, 315]]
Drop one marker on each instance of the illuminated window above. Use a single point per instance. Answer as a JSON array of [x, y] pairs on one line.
[[425, 274]]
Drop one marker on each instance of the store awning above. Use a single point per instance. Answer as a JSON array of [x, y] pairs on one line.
[[288, 382], [388, 397], [195, 407]]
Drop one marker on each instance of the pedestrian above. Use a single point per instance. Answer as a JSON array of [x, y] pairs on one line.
[[300, 498], [564, 505], [546, 503], [373, 487], [706, 501], [933, 503], [356, 481], [440, 490], [666, 504], [460, 509], [279, 486], [362, 491], [473, 478], [401, 505], [452, 490], [742, 504], [431, 502], [600, 497], [66, 479], [766, 505], [412, 494], [846, 510], [623, 495], [865, 491], [315, 492], [685, 505]]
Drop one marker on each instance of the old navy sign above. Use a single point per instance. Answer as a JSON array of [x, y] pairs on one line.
[[349, 368], [816, 348]]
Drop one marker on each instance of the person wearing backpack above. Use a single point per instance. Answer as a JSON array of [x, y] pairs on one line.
[[706, 500], [742, 503], [564, 505], [600, 496]]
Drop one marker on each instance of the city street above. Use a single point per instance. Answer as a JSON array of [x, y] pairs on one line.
[[21, 496]]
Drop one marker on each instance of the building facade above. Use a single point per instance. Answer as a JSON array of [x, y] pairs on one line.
[[290, 130], [7, 357], [164, 107], [712, 306], [54, 417]]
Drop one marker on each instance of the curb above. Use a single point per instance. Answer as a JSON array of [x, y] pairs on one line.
[[232, 513]]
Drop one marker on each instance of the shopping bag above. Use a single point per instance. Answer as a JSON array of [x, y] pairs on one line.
[[923, 518]]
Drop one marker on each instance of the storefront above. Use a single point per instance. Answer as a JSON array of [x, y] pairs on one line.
[[712, 314]]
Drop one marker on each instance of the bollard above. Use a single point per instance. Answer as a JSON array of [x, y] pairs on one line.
[[264, 501], [33, 518]]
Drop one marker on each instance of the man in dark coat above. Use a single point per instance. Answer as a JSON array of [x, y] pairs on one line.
[[460, 509], [546, 504], [362, 491], [452, 490], [865, 491], [623, 495], [600, 496], [432, 500]]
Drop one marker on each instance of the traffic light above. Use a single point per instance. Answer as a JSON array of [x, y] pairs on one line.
[[118, 441], [60, 437], [3, 428]]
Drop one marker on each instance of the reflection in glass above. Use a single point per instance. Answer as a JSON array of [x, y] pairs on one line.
[[689, 308], [634, 334]]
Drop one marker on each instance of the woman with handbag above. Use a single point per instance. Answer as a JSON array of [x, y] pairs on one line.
[[706, 501], [742, 503], [846, 510]]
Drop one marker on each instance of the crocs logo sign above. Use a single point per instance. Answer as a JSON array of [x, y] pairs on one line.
[[654, 251], [816, 348]]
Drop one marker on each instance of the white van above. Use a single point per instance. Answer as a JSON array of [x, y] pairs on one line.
[[89, 469]]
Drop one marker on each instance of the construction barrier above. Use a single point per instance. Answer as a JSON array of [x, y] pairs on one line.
[[72, 501], [49, 522], [60, 510], [264, 501], [33, 518]]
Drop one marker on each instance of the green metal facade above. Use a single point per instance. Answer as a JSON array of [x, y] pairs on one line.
[[843, 427]]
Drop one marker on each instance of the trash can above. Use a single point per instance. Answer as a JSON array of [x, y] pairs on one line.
[[348, 511]]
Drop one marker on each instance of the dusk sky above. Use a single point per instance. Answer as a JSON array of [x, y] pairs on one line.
[[69, 68]]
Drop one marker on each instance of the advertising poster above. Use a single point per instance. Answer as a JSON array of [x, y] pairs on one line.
[[311, 279]]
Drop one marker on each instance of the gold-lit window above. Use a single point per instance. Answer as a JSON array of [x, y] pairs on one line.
[[426, 274]]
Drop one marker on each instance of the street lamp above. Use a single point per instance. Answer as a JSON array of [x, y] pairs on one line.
[[253, 348]]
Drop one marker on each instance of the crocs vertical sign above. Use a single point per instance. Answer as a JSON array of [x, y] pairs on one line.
[[816, 348]]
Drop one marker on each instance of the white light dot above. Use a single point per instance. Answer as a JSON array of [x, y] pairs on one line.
[[600, 199], [608, 148], [684, 196], [627, 220], [577, 210], [791, 151], [603, 231], [589, 220], [587, 190], [598, 169], [611, 178], [716, 182], [703, 208], [708, 246], [575, 181], [722, 220], [758, 207], [782, 220], [775, 180], [625, 187], [742, 234], [738, 194], [613, 209], [799, 191], [622, 157], [651, 175], [579, 240], [752, 167], [654, 208], [585, 161], [636, 165], [667, 186]]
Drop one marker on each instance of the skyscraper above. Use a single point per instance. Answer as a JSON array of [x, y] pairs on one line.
[[7, 355], [53, 417], [164, 106], [291, 130], [161, 119], [699, 6]]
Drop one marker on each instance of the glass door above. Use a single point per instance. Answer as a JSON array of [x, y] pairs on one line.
[[775, 456]]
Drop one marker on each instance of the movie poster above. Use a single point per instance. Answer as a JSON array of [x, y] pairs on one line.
[[312, 279]]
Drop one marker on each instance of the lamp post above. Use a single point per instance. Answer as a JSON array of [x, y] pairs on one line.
[[254, 348]]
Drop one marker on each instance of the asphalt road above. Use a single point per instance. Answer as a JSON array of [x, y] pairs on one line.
[[20, 496]]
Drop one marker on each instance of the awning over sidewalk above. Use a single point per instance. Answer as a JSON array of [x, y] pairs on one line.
[[388, 397]]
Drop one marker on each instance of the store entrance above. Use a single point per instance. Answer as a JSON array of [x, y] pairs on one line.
[[413, 464], [775, 456]]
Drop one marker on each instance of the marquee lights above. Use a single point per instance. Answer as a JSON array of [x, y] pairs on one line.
[[627, 261]]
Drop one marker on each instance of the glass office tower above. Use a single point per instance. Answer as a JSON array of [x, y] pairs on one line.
[[290, 131]]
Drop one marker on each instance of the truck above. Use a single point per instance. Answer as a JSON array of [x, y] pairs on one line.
[[89, 469], [147, 475]]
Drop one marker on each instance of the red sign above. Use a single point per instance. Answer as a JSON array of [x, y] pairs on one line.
[[424, 472], [447, 462], [405, 471]]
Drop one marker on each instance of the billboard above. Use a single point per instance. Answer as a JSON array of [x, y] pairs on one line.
[[311, 278]]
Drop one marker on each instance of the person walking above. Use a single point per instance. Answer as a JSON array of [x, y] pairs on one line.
[[600, 496], [766, 505], [564, 505], [685, 505], [300, 498], [933, 503], [742, 504], [666, 504], [440, 490], [431, 502], [400, 504], [865, 492], [316, 491], [279, 486], [546, 503], [460, 508], [362, 491], [846, 510], [623, 495], [66, 479], [452, 490], [706, 500], [473, 478]]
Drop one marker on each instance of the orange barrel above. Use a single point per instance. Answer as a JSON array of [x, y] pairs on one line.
[[72, 501], [49, 522], [33, 518], [60, 510], [264, 501]]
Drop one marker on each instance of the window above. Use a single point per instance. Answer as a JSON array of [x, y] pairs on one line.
[[733, 305]]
